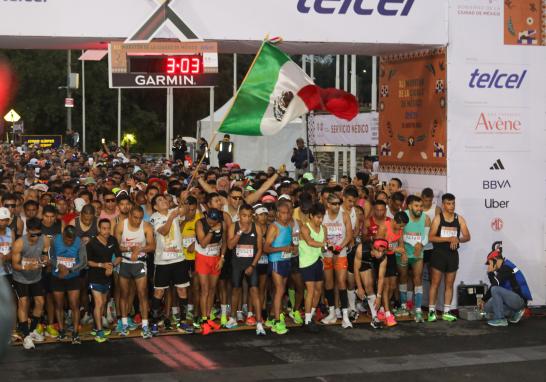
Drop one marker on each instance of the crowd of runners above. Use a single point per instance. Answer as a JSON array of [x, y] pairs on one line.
[[115, 242]]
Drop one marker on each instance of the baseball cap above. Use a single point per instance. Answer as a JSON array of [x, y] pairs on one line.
[[214, 214], [269, 199], [167, 172], [380, 243], [4, 213], [89, 180], [285, 197], [493, 255], [260, 209]]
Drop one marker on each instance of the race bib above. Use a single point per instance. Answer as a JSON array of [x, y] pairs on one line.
[[171, 254], [28, 262], [212, 250], [335, 230], [448, 232], [244, 251], [68, 262], [413, 238], [188, 241]]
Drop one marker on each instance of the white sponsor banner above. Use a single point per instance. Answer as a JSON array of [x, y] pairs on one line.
[[330, 130], [496, 136], [345, 21]]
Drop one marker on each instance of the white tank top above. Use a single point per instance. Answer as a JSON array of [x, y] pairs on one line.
[[431, 213], [352, 216], [131, 239], [335, 232]]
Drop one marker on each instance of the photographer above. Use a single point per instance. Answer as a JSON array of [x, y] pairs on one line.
[[302, 157], [179, 149], [509, 292]]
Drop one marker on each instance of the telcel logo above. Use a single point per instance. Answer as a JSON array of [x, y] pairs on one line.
[[360, 7], [497, 80]]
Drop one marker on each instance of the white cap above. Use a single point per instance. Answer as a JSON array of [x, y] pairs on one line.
[[78, 204], [33, 162], [261, 210], [167, 172], [136, 169], [285, 197], [40, 187], [4, 213]]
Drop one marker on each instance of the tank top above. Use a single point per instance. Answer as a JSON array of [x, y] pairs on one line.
[[65, 255], [213, 249], [283, 239], [5, 248], [188, 236], [234, 218], [247, 247], [368, 259], [392, 237], [335, 232], [91, 232], [31, 254], [353, 217], [447, 230], [431, 213], [131, 239], [414, 233], [373, 227], [309, 255]]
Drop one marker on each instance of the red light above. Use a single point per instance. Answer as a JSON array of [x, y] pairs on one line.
[[184, 65]]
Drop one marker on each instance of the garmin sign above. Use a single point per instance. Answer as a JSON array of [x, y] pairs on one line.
[[359, 7]]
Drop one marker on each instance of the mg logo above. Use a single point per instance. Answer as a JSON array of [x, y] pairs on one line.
[[497, 224]]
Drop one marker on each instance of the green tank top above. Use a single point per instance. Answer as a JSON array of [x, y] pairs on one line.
[[414, 233], [309, 255]]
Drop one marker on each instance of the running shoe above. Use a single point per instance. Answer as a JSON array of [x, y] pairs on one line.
[[76, 340], [206, 329], [28, 343], [448, 316], [330, 318], [401, 312], [106, 332], [409, 306], [231, 324], [353, 315], [338, 313], [279, 328], [167, 324], [296, 317], [213, 325], [312, 327], [189, 316], [432, 316], [223, 319], [240, 316], [124, 331], [213, 314], [361, 307], [281, 317], [131, 324], [500, 322], [119, 326], [40, 329], [155, 330], [185, 328], [269, 323], [36, 337], [390, 321], [346, 323], [146, 333], [105, 322], [86, 319], [61, 335], [137, 319], [260, 331], [381, 315], [197, 323], [419, 317], [250, 321], [51, 331], [517, 316], [376, 323], [100, 337]]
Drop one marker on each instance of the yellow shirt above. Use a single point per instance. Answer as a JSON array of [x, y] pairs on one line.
[[188, 236]]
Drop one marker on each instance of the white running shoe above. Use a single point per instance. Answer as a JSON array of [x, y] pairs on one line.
[[86, 319], [346, 323], [28, 343], [360, 307], [35, 336], [338, 313], [105, 323], [260, 331], [330, 318], [231, 324], [240, 316]]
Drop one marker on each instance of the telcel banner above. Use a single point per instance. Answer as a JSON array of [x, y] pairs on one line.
[[329, 130]]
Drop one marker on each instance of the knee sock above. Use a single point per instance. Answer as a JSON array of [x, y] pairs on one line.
[[418, 298], [371, 304], [343, 298], [329, 294], [351, 294], [403, 294]]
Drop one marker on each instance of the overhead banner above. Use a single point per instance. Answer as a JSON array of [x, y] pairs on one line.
[[412, 113], [496, 135], [329, 130], [525, 22], [43, 141]]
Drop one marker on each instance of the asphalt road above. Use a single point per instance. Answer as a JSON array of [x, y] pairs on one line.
[[427, 352]]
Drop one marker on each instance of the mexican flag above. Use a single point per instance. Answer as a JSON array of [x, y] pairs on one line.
[[276, 91]]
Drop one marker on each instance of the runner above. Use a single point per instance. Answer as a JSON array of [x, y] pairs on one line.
[[350, 197], [431, 210], [136, 239], [68, 257], [339, 235], [448, 230], [371, 265], [415, 238], [30, 253], [312, 244], [279, 247], [101, 249], [376, 221], [260, 218], [395, 204], [210, 248], [245, 240]]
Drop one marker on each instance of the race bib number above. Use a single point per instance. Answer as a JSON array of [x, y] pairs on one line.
[[244, 251], [188, 241], [28, 262], [171, 254], [335, 230], [286, 255], [448, 232], [413, 238], [212, 250], [68, 262]]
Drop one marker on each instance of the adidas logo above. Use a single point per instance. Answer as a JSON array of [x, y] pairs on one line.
[[497, 165]]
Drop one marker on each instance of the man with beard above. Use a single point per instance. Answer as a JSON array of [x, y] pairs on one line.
[[415, 238]]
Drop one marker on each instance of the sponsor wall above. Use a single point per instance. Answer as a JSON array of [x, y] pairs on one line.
[[495, 142], [330, 130]]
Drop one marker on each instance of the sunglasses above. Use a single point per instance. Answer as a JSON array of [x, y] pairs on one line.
[[109, 200], [237, 197], [10, 205], [335, 203], [35, 234]]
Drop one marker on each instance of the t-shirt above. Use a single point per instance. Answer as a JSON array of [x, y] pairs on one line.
[[100, 253], [168, 248]]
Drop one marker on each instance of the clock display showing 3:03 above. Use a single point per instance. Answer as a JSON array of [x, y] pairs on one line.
[[183, 65]]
